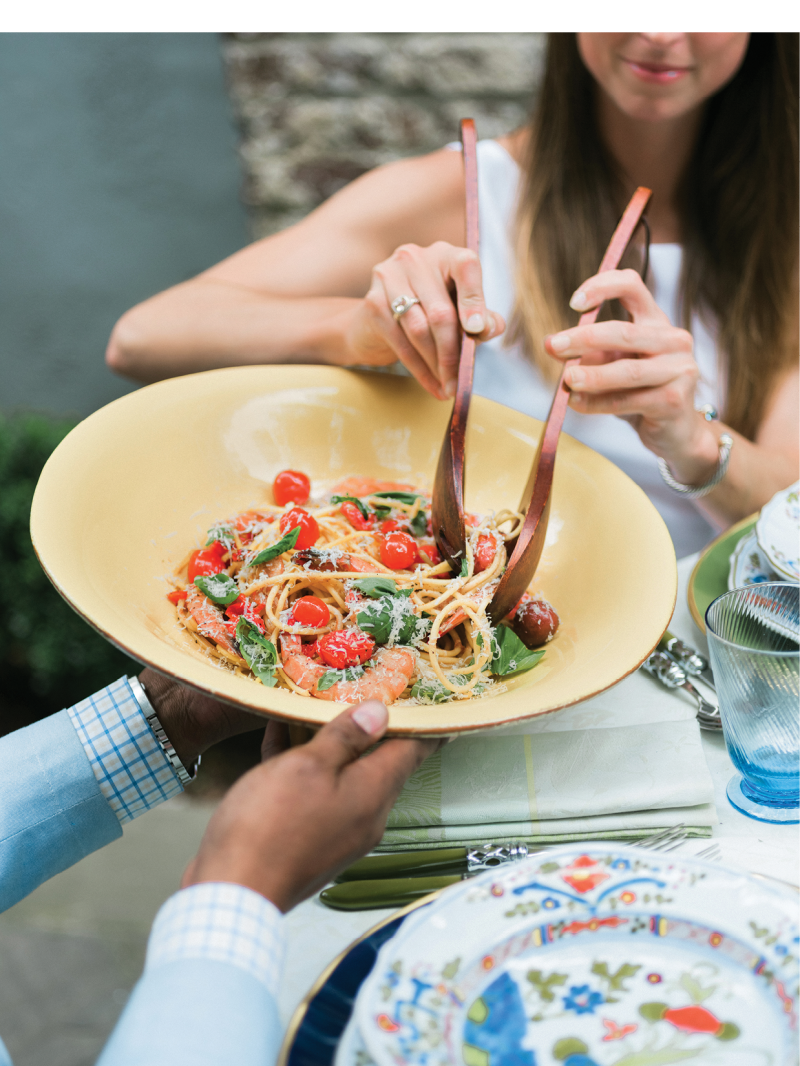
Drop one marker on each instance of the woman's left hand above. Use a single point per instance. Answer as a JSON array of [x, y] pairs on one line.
[[643, 371]]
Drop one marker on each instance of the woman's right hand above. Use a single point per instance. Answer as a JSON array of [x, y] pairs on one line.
[[426, 339]]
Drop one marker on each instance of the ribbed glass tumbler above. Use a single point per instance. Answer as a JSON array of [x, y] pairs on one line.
[[753, 637]]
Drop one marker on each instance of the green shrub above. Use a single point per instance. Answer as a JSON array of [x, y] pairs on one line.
[[49, 657]]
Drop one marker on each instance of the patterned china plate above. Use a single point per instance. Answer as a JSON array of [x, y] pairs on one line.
[[749, 564], [778, 531], [608, 956]]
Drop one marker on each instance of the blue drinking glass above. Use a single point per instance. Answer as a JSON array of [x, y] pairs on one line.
[[753, 637]]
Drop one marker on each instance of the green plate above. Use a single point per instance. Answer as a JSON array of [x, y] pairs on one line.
[[710, 576]]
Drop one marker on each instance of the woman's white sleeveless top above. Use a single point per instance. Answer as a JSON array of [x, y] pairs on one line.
[[505, 375]]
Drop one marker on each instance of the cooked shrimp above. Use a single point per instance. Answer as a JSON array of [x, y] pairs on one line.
[[209, 621], [365, 486], [328, 562], [385, 676]]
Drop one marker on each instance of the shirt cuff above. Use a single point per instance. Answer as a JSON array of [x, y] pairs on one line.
[[224, 922], [130, 766]]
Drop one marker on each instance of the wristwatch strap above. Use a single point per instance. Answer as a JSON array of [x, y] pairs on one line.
[[184, 776]]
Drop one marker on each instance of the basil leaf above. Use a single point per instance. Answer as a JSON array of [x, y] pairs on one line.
[[219, 588], [401, 497], [356, 501], [431, 690], [278, 548], [376, 586], [419, 523], [333, 677], [392, 620], [382, 512], [223, 532], [511, 656], [464, 568], [258, 652]]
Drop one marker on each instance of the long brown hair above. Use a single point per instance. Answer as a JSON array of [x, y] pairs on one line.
[[738, 201]]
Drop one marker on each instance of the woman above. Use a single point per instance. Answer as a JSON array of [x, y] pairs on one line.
[[708, 122]]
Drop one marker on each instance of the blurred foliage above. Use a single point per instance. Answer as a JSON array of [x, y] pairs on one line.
[[49, 657]]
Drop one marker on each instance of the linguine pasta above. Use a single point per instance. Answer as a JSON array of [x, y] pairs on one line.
[[349, 599]]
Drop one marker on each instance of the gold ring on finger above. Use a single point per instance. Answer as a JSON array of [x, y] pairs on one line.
[[402, 304]]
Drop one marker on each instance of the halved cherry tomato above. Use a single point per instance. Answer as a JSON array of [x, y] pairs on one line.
[[398, 550], [176, 596], [244, 607], [311, 612], [309, 530], [485, 552], [389, 526], [235, 609], [432, 552], [207, 561], [345, 647], [355, 517], [291, 486], [311, 650]]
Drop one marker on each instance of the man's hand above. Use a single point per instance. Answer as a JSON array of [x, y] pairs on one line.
[[193, 721], [290, 825]]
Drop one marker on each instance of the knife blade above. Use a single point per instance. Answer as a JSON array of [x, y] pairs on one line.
[[383, 892]]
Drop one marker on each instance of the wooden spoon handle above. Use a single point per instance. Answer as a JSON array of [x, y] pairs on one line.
[[466, 363], [448, 490], [535, 501]]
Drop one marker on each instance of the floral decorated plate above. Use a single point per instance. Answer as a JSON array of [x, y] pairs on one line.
[[606, 956], [778, 531], [749, 565]]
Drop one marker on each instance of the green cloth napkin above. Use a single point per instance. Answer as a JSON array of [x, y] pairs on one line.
[[551, 786]]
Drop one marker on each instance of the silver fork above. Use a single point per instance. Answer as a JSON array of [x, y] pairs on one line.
[[665, 840]]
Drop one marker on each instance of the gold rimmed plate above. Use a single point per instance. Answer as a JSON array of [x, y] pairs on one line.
[[137, 484], [709, 578]]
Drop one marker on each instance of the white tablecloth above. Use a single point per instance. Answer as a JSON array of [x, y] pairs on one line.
[[316, 935]]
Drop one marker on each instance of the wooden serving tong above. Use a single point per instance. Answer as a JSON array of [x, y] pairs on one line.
[[447, 507], [447, 503]]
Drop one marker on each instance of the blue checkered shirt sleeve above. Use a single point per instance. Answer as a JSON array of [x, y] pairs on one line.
[[129, 764], [223, 922]]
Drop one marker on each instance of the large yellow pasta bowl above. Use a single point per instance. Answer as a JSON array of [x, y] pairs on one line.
[[137, 484]]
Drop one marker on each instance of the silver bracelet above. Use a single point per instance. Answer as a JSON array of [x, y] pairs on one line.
[[184, 776], [694, 492]]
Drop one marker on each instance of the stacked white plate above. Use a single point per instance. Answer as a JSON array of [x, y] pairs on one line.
[[599, 956], [770, 551]]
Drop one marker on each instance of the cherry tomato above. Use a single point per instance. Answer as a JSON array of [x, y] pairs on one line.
[[311, 650], [398, 551], [345, 647], [311, 612], [176, 596], [309, 530], [389, 526], [432, 552], [355, 517], [207, 561], [290, 486], [237, 608], [485, 552], [535, 622]]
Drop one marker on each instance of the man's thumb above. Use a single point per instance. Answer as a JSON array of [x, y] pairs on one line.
[[351, 733]]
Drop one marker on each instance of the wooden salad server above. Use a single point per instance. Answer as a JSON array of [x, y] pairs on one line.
[[535, 503], [447, 504]]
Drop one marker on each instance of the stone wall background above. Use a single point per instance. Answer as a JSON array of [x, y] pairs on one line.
[[317, 110]]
